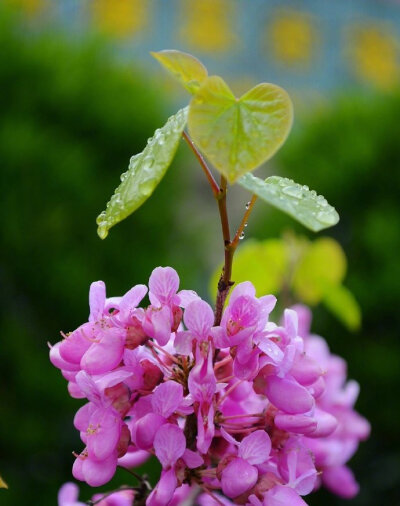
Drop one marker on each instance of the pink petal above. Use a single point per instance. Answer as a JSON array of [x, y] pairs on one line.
[[133, 458], [103, 433], [77, 343], [163, 285], [186, 297], [298, 424], [145, 430], [68, 494], [255, 448], [288, 396], [304, 316], [77, 472], [183, 342], [59, 362], [271, 349], [164, 490], [82, 416], [245, 288], [199, 318], [88, 387], [97, 299], [104, 356], [237, 477], [192, 459], [99, 472], [166, 398], [132, 298], [268, 303], [291, 322], [282, 496], [340, 480], [169, 444], [326, 424], [157, 324], [74, 391], [202, 382], [296, 466], [305, 369]]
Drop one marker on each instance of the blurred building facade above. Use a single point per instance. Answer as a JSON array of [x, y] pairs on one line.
[[308, 46]]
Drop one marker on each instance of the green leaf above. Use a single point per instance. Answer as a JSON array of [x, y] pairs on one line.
[[341, 302], [145, 172], [237, 135], [305, 206], [263, 263], [189, 71], [322, 266]]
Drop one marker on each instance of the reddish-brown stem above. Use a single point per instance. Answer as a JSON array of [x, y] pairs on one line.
[[219, 192], [242, 226], [225, 282], [204, 166]]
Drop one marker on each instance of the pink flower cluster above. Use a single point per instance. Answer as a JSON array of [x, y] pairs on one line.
[[245, 412]]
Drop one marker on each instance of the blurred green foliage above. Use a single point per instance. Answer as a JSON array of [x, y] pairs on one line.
[[297, 270], [69, 121], [350, 152]]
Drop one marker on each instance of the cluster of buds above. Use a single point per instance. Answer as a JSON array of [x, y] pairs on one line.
[[244, 411]]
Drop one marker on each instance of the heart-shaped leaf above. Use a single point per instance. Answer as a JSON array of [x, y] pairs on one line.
[[145, 172], [301, 203], [237, 135], [189, 71]]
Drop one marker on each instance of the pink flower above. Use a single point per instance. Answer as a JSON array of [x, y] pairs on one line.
[[254, 449], [68, 495], [250, 408]]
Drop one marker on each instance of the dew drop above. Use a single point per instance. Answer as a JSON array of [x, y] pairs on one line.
[[102, 231], [245, 225], [306, 188], [248, 205], [326, 218], [241, 236], [293, 191], [146, 187], [149, 161]]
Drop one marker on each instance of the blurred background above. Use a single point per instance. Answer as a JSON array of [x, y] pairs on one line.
[[79, 94]]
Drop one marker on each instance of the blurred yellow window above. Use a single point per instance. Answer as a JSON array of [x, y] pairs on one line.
[[374, 55], [207, 24], [120, 18], [291, 35]]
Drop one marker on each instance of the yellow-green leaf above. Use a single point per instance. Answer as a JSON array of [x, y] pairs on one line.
[[145, 172], [263, 263], [238, 135], [305, 206], [341, 302], [189, 71], [323, 265], [3, 484]]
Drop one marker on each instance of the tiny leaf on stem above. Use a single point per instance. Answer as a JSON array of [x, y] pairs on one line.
[[145, 172], [189, 71], [239, 134], [305, 206]]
